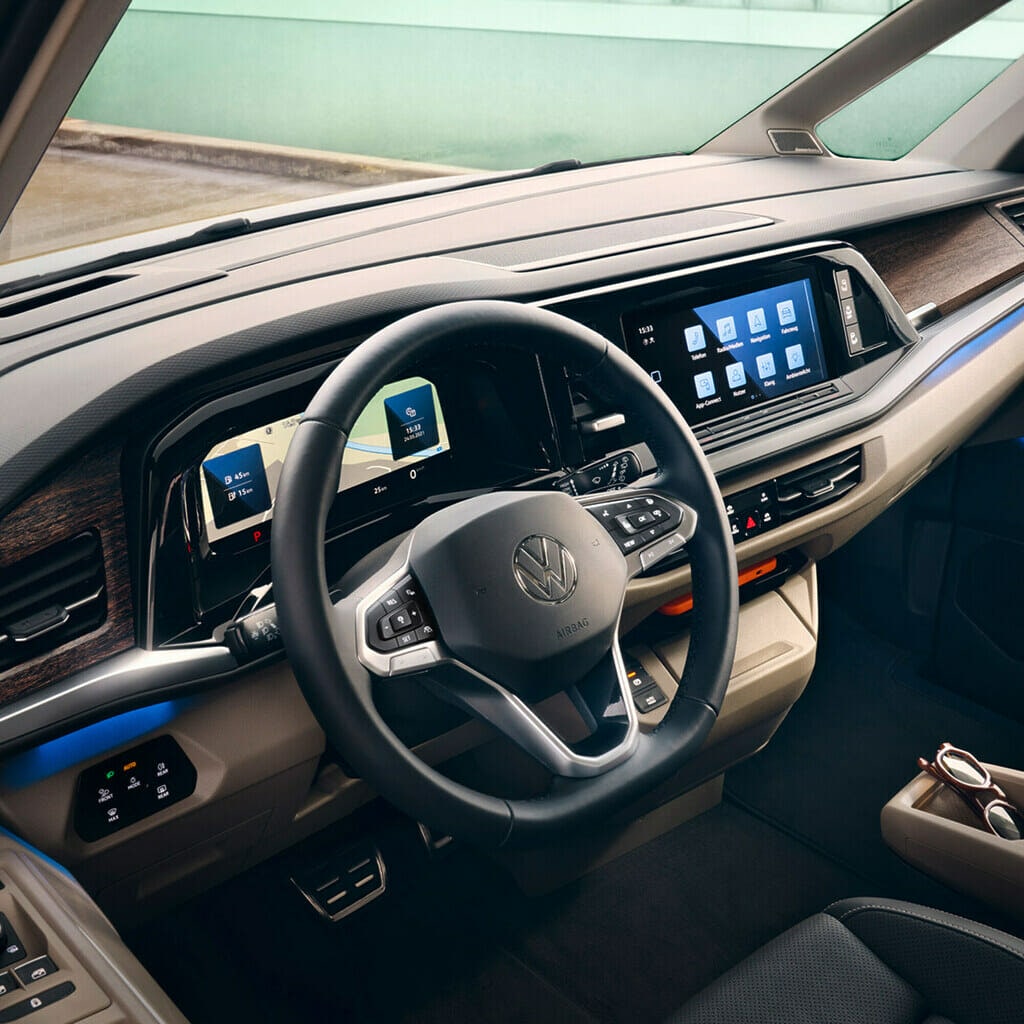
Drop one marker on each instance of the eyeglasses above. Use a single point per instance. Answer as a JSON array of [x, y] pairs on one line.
[[966, 776]]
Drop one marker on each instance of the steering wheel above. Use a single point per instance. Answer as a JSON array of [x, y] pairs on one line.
[[513, 596]]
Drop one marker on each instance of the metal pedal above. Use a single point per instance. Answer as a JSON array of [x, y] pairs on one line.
[[344, 882]]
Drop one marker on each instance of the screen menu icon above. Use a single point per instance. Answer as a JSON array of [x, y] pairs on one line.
[[705, 384], [766, 365], [695, 340], [795, 357], [756, 321], [237, 485], [787, 312], [726, 328], [735, 375]]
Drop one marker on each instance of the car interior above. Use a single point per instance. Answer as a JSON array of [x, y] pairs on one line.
[[588, 593]]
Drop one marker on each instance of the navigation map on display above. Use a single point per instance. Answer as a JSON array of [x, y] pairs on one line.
[[402, 425]]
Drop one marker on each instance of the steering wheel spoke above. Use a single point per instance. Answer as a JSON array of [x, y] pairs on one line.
[[613, 729], [396, 631], [646, 525]]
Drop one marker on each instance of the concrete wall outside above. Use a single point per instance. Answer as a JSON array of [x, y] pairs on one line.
[[491, 83]]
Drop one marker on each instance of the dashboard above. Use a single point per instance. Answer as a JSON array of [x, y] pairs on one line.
[[784, 324], [768, 341]]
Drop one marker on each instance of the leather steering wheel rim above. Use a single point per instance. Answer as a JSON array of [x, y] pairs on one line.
[[321, 644]]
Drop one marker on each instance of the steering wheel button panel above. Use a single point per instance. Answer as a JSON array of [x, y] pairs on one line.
[[388, 629], [662, 549], [636, 523]]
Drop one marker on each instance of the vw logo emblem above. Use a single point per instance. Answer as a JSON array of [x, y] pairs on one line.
[[544, 569]]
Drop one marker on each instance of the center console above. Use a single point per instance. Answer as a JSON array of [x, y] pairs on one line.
[[60, 958]]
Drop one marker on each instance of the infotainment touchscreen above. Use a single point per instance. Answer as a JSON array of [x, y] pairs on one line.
[[732, 353], [401, 426]]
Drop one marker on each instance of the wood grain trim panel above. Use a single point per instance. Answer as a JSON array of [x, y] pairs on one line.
[[947, 258], [86, 495]]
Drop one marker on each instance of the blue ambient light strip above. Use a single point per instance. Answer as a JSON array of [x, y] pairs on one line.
[[55, 755]]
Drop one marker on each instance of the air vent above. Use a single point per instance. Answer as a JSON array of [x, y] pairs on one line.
[[47, 298], [818, 485], [50, 598], [795, 142], [1015, 212], [55, 306]]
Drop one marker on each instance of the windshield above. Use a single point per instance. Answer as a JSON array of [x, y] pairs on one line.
[[887, 121], [204, 109]]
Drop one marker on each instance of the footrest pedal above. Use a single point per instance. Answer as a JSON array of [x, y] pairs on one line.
[[344, 882]]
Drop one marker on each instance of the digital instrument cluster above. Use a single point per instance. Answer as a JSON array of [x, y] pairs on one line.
[[401, 427]]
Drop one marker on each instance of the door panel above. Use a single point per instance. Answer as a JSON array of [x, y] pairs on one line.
[[941, 574]]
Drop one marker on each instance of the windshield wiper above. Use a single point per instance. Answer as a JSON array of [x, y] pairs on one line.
[[554, 167]]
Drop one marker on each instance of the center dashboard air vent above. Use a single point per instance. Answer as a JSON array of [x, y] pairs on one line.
[[51, 597], [1015, 212], [43, 309], [818, 484]]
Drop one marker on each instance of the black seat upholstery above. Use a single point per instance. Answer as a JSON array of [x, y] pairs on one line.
[[878, 961]]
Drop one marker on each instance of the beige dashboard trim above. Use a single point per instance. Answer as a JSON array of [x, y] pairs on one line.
[[775, 652]]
